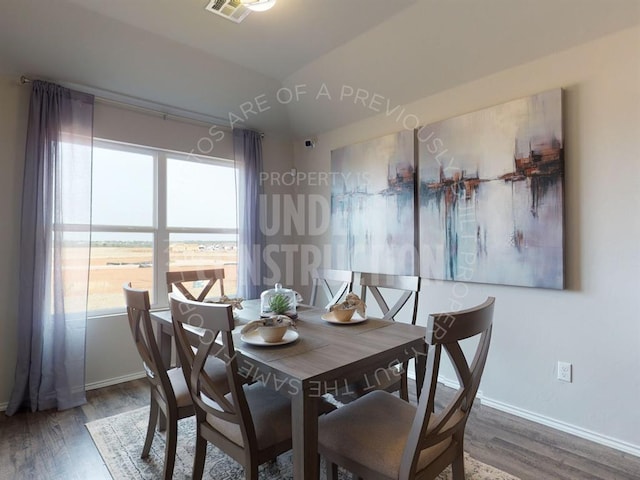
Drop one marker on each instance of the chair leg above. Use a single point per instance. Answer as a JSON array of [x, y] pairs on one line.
[[251, 469], [162, 422], [251, 473], [170, 448], [199, 457], [332, 470], [457, 467], [404, 385], [151, 427]]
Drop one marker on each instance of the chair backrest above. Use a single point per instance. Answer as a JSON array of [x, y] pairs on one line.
[[211, 276], [138, 305], [230, 420], [408, 285], [334, 283], [446, 330]]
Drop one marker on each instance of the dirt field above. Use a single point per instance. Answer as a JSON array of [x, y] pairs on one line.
[[113, 266]]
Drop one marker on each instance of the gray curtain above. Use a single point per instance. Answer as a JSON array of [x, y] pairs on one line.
[[248, 156], [55, 247]]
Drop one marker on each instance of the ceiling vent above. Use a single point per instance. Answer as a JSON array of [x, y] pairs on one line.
[[230, 9]]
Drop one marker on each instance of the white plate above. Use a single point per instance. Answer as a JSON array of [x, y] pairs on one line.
[[254, 338], [331, 319]]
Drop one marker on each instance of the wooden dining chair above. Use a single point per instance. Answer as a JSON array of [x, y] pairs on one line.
[[250, 423], [407, 286], [169, 393], [406, 289], [179, 279], [335, 284], [415, 442]]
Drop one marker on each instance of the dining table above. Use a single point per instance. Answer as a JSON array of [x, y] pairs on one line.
[[321, 356]]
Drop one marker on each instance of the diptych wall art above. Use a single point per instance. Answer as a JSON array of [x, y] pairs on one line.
[[372, 205], [491, 195], [490, 198]]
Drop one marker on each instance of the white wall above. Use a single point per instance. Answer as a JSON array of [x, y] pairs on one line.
[[14, 100], [594, 323], [136, 126]]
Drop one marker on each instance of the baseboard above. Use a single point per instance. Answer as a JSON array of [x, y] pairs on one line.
[[114, 381], [551, 422], [455, 385], [93, 385]]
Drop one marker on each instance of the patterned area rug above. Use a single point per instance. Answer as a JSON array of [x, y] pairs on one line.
[[120, 438]]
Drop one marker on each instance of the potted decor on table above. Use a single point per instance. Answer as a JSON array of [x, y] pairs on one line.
[[271, 329], [278, 301], [343, 311], [235, 302]]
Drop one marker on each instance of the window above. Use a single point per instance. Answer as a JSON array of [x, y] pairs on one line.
[[153, 211]]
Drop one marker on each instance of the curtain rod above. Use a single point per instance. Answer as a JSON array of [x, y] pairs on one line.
[[135, 103]]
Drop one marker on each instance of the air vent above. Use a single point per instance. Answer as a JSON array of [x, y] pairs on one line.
[[230, 9]]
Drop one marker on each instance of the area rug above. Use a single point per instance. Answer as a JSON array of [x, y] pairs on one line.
[[120, 438]]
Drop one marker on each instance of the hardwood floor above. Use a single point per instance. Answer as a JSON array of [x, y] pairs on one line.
[[533, 452], [56, 445]]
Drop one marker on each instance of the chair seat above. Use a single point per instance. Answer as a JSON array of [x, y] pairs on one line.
[[271, 414], [372, 432], [215, 368]]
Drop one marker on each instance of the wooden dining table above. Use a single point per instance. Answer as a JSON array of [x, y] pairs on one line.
[[325, 358]]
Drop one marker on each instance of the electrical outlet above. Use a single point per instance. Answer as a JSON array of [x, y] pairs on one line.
[[564, 372]]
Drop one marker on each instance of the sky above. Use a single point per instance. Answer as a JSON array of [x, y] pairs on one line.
[[199, 194]]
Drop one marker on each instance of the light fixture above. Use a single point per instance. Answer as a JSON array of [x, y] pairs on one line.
[[258, 5]]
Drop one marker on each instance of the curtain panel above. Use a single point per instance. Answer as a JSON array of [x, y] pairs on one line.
[[248, 157], [55, 248]]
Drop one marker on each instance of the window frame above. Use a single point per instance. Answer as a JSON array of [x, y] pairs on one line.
[[159, 230]]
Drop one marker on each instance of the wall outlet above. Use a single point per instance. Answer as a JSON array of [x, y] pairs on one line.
[[564, 372]]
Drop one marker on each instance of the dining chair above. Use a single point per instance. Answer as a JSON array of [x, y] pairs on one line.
[[415, 441], [335, 284], [212, 276], [169, 393], [179, 281], [250, 423], [408, 289], [407, 285]]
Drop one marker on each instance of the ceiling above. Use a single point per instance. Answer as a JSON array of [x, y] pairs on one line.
[[179, 56]]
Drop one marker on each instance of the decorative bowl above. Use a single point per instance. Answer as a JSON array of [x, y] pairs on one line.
[[272, 334], [343, 314]]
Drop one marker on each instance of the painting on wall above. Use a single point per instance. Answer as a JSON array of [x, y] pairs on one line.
[[372, 205], [491, 195]]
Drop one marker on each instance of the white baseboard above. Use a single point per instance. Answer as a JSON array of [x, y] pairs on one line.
[[102, 383], [551, 422], [115, 380]]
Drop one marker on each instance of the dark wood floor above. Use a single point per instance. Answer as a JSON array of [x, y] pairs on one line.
[[56, 445]]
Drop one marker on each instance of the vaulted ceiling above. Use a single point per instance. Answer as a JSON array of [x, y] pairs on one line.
[[285, 70]]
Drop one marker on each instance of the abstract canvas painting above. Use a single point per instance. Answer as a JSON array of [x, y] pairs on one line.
[[372, 205], [491, 195]]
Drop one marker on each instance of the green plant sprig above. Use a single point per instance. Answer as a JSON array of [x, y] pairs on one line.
[[279, 304]]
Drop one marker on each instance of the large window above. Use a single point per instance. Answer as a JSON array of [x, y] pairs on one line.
[[154, 211]]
